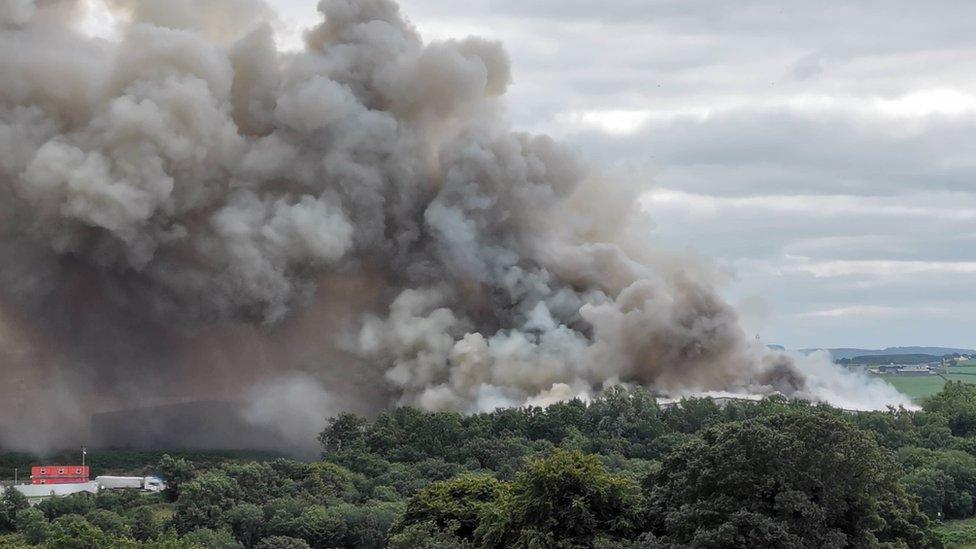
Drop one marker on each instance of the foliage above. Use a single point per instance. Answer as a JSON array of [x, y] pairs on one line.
[[957, 534], [427, 535], [328, 482], [109, 522], [246, 522], [321, 527], [212, 539], [10, 502], [33, 525], [282, 542], [204, 501], [613, 472], [13, 541], [75, 504], [564, 500], [797, 479], [957, 401], [144, 524], [74, 532], [176, 472], [945, 481], [454, 506], [346, 432]]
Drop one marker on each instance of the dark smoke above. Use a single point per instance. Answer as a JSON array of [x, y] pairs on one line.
[[190, 214]]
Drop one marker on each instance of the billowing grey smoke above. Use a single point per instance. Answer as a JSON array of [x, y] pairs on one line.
[[190, 213]]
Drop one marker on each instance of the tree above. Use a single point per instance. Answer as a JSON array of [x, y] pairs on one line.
[[175, 472], [259, 482], [75, 504], [932, 488], [692, 415], [144, 524], [282, 542], [943, 478], [427, 535], [564, 500], [344, 432], [74, 532], [797, 479], [212, 539], [11, 502], [170, 540], [33, 525], [957, 401], [328, 482], [322, 527], [118, 501], [367, 526], [109, 522], [624, 421], [204, 500], [283, 516], [246, 522], [453, 505], [14, 541]]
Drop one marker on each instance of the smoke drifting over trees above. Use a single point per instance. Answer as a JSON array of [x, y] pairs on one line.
[[189, 213]]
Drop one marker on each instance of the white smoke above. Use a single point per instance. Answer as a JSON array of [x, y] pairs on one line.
[[851, 390], [294, 405], [357, 214]]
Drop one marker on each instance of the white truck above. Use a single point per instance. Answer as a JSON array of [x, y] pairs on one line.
[[148, 484]]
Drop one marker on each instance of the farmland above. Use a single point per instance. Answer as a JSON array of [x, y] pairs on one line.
[[918, 387]]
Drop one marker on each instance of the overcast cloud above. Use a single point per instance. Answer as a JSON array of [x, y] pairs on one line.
[[822, 152]]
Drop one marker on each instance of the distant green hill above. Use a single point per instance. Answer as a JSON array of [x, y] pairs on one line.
[[851, 352], [874, 360]]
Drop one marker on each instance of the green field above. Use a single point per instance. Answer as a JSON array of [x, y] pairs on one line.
[[958, 534], [916, 387], [919, 387]]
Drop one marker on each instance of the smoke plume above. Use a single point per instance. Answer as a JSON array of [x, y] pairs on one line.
[[190, 213]]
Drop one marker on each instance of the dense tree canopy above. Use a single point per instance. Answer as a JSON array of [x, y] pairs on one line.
[[798, 479], [615, 472], [454, 505], [564, 500], [956, 401]]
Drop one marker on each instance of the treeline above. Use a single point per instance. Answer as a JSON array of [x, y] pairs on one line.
[[108, 461], [876, 360], [615, 472]]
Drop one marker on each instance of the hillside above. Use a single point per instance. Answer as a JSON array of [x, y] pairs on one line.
[[851, 352], [891, 359]]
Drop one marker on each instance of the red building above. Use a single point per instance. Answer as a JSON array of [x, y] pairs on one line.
[[59, 474]]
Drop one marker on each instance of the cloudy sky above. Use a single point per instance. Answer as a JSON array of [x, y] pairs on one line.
[[820, 152]]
